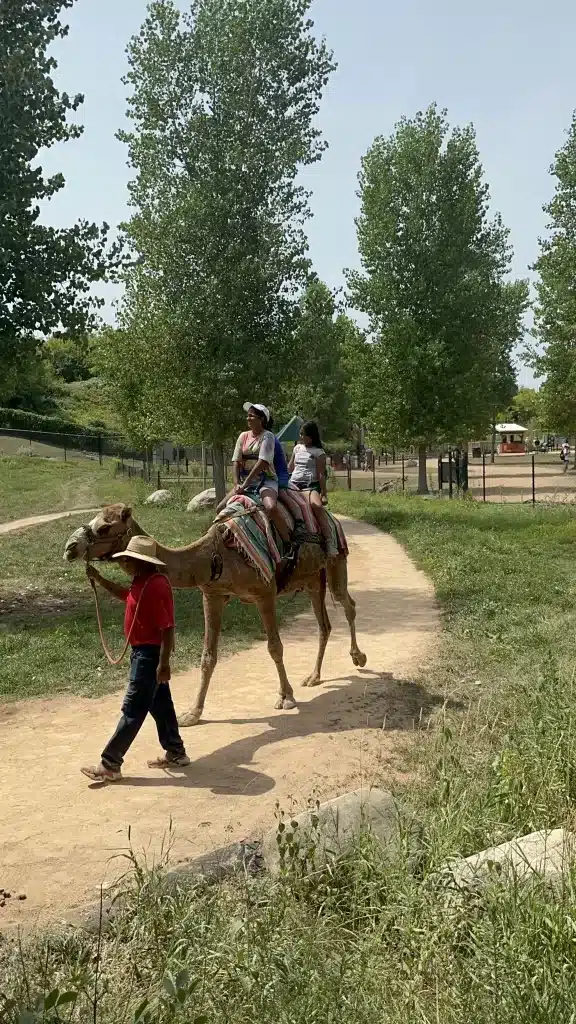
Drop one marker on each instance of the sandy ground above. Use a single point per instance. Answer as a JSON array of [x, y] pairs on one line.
[[47, 517], [60, 837]]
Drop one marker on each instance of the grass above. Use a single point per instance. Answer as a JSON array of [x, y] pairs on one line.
[[48, 637], [31, 486], [365, 940]]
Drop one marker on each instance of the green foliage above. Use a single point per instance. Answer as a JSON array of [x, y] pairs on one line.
[[444, 322], [223, 107], [556, 305], [71, 358], [46, 273], [524, 409], [315, 379], [24, 419]]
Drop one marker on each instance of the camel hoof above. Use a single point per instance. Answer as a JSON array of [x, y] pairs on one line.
[[189, 718], [311, 681], [359, 659], [285, 704]]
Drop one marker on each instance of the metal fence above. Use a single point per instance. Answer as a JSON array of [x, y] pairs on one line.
[[538, 477], [535, 477]]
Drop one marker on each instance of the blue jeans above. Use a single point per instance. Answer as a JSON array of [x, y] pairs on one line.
[[144, 694]]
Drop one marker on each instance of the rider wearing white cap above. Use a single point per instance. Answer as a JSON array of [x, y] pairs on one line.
[[253, 459]]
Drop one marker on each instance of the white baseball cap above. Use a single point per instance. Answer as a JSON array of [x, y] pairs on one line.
[[260, 408]]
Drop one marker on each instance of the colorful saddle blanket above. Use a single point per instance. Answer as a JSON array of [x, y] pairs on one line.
[[248, 530]]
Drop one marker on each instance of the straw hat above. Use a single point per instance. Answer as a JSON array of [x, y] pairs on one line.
[[143, 549]]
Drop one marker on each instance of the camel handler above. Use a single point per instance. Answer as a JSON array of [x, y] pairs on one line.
[[149, 626]]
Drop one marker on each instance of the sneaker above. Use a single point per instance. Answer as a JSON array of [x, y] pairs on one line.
[[100, 773], [170, 762]]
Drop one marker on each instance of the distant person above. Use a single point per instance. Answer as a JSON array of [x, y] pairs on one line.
[[565, 455], [149, 626]]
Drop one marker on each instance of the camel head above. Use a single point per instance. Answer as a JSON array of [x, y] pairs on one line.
[[105, 535]]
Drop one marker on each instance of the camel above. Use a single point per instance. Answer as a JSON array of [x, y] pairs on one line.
[[221, 572]]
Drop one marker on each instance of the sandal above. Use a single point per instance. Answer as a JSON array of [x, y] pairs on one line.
[[100, 773], [170, 762]]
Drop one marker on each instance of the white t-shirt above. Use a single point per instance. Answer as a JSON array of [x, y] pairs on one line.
[[305, 470]]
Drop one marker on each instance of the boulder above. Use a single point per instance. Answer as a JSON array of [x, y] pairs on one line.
[[544, 854], [206, 499], [331, 828], [159, 498]]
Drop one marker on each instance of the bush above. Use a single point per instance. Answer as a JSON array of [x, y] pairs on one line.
[[22, 419]]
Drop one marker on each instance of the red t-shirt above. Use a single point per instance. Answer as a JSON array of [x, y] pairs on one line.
[[156, 611]]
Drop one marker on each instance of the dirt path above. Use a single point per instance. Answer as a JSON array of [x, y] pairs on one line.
[[46, 517], [59, 836]]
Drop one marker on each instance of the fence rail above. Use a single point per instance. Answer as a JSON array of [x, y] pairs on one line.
[[537, 477]]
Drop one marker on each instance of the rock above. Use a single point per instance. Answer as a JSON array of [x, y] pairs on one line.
[[540, 854], [21, 896], [206, 499], [339, 821], [220, 864], [159, 498]]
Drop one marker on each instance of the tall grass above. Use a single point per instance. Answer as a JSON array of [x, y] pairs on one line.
[[368, 940]]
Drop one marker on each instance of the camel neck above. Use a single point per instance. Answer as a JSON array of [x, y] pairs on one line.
[[189, 566]]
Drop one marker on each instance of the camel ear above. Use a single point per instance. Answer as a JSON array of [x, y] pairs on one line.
[[126, 513]]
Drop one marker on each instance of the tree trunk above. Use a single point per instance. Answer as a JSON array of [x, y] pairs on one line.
[[219, 471], [422, 470]]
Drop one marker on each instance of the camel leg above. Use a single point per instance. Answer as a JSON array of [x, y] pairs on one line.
[[267, 611], [214, 606], [338, 583], [318, 601]]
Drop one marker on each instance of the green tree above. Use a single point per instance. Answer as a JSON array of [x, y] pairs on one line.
[[315, 380], [46, 273], [444, 322], [71, 358], [556, 291], [223, 107]]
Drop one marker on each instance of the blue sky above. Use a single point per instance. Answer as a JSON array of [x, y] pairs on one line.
[[507, 66]]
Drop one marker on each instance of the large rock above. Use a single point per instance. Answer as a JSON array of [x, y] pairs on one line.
[[331, 828], [538, 855], [159, 498], [206, 499]]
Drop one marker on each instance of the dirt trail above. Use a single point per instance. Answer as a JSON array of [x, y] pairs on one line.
[[59, 836], [46, 517]]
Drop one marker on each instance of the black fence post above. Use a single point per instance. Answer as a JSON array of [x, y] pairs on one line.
[[440, 472], [465, 472], [393, 456], [533, 481], [374, 475], [158, 479], [100, 448], [349, 471], [483, 475], [403, 477], [64, 446], [450, 480]]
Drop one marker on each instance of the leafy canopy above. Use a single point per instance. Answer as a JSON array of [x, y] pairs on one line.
[[223, 107], [556, 291], [443, 320], [46, 273]]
